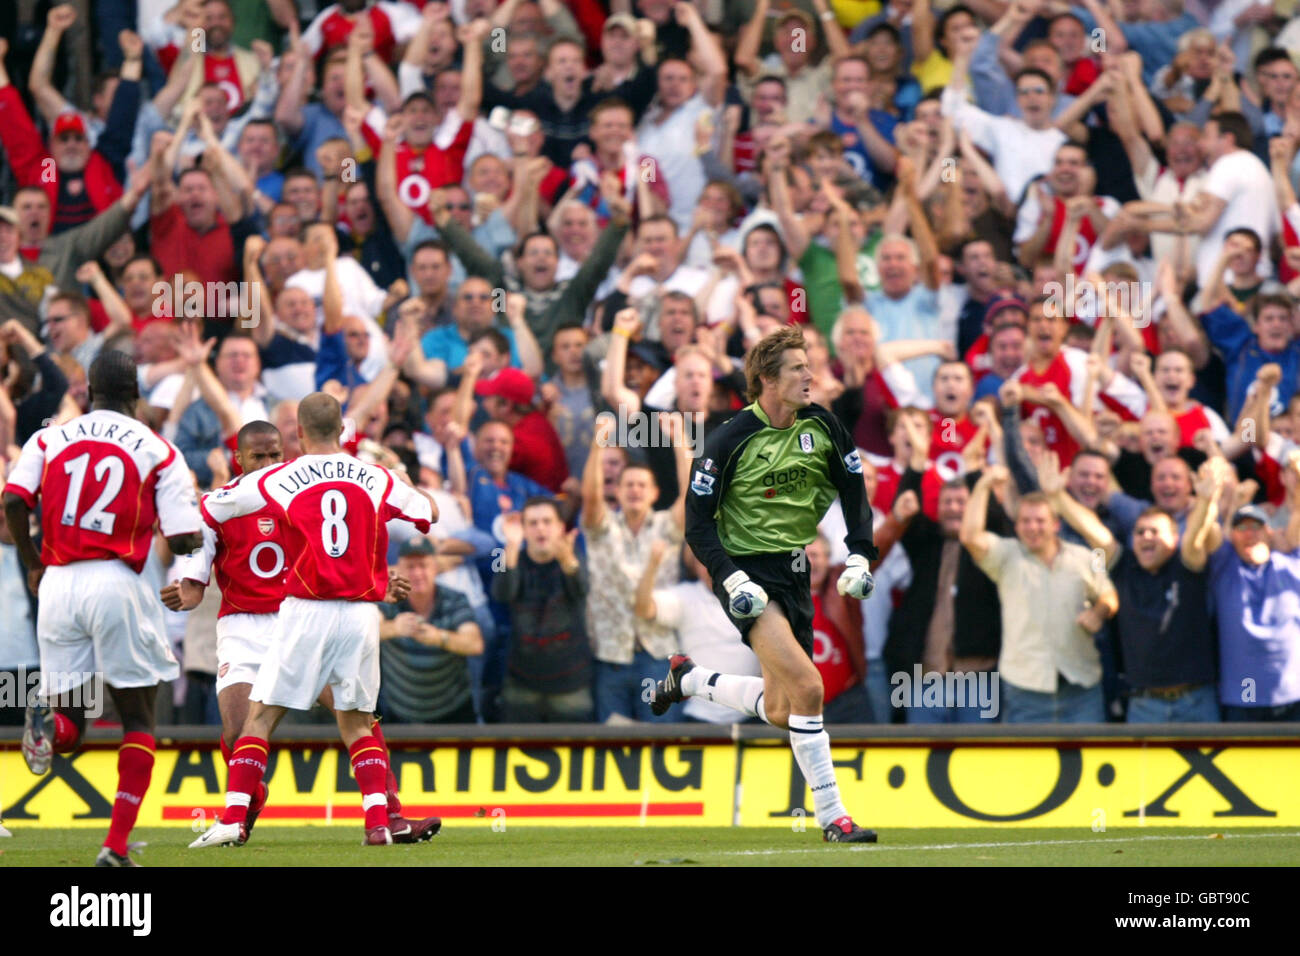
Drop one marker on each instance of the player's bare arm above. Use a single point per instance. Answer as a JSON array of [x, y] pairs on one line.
[[18, 518], [182, 595]]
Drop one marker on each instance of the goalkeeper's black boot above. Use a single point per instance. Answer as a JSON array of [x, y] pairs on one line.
[[844, 830], [669, 690]]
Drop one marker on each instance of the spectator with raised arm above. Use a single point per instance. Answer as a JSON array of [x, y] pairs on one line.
[[1021, 148], [80, 182], [545, 586], [619, 542], [1163, 624], [1055, 596], [667, 130], [1255, 586]]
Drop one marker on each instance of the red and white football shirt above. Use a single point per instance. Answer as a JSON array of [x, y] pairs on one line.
[[249, 558], [947, 441], [421, 170], [1068, 371], [1268, 466], [978, 359], [222, 71], [1086, 236], [1197, 417], [888, 478], [335, 509], [830, 653], [102, 480], [393, 23]]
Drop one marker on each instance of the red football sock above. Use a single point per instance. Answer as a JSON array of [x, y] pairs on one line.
[[66, 735], [225, 751], [134, 769], [247, 765], [394, 804], [369, 766]]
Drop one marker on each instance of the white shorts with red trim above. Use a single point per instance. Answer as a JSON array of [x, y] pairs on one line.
[[243, 642], [319, 644], [99, 617]]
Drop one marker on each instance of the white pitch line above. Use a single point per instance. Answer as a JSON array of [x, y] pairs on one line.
[[876, 848]]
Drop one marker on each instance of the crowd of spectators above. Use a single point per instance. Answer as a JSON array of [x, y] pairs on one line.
[[1045, 256]]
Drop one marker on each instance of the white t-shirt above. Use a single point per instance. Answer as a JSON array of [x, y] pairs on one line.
[[163, 395], [1245, 185], [451, 520], [1019, 152], [705, 633], [1159, 184], [361, 297], [672, 144], [17, 629], [893, 572]]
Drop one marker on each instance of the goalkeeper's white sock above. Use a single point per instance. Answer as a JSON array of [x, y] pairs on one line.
[[812, 751], [744, 694]]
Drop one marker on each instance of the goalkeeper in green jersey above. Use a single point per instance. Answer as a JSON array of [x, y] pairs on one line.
[[757, 493]]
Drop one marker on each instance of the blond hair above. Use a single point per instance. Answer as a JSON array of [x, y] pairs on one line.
[[764, 359]]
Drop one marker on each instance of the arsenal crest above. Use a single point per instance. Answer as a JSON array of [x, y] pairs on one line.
[[266, 525]]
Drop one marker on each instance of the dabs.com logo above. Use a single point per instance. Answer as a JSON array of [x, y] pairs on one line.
[[785, 481]]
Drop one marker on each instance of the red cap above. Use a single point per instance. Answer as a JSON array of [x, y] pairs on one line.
[[509, 383], [1003, 303], [69, 123]]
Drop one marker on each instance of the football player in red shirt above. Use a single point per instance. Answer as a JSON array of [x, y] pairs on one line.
[[101, 481], [335, 509], [249, 559]]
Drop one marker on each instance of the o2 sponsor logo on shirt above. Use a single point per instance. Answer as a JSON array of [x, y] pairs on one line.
[[949, 465], [414, 191]]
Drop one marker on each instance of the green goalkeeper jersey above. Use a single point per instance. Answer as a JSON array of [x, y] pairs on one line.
[[763, 490]]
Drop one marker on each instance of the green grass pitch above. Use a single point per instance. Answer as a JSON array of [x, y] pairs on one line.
[[479, 845]]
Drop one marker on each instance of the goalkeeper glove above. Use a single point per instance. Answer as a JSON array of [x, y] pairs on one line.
[[855, 580], [747, 598]]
